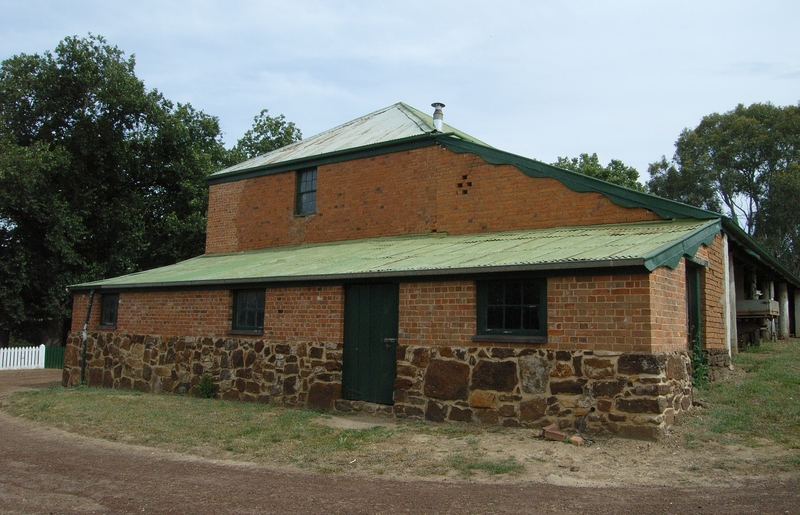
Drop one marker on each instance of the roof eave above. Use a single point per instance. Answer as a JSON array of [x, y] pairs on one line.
[[391, 274], [384, 147]]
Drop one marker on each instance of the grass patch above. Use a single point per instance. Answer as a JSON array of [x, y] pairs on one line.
[[760, 407], [259, 433], [466, 465]]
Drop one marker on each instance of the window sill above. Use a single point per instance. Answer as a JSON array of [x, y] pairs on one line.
[[246, 332], [106, 327], [504, 338]]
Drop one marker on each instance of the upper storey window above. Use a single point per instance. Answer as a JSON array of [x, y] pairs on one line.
[[306, 202]]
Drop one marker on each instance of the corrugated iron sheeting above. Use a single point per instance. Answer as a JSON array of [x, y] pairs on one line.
[[625, 244]]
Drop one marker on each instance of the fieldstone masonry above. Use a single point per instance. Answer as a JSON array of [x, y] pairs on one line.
[[634, 394], [287, 373]]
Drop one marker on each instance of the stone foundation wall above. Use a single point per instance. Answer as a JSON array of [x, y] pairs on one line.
[[634, 394], [288, 373]]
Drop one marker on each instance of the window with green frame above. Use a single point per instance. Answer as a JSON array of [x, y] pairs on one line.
[[306, 202], [248, 310], [512, 307], [109, 307]]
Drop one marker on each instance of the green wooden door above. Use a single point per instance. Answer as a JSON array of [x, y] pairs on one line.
[[370, 342]]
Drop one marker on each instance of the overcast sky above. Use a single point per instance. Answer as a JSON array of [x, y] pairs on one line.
[[541, 79]]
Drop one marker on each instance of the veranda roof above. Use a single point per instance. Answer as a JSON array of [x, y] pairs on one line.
[[646, 244]]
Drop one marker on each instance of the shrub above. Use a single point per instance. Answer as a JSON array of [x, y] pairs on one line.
[[206, 387]]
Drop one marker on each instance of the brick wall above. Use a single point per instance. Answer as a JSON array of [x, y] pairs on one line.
[[410, 192], [312, 313], [713, 295], [223, 211], [173, 313], [437, 312], [668, 308], [599, 312]]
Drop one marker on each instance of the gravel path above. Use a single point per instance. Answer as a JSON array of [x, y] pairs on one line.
[[44, 470]]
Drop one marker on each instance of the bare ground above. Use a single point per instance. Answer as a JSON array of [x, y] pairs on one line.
[[46, 470]]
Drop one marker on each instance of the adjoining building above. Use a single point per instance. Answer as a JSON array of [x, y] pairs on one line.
[[396, 265]]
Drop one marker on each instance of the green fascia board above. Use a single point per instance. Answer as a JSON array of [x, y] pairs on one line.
[[581, 183], [671, 255], [376, 149]]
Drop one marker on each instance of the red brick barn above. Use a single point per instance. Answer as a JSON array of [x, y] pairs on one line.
[[390, 267]]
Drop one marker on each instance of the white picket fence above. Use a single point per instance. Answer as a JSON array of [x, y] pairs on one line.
[[18, 358]]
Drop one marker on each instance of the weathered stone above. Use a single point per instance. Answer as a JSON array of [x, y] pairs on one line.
[[413, 411], [642, 405], [323, 395], [577, 364], [446, 352], [460, 415], [561, 370], [604, 405], [407, 370], [402, 383], [535, 374], [573, 387], [507, 410], [482, 399], [290, 385], [283, 349], [633, 364], [500, 376], [486, 416], [533, 409], [316, 352], [616, 417], [240, 384], [676, 368], [435, 411], [420, 357], [94, 377], [607, 389], [446, 380], [651, 390], [141, 386], [502, 352], [598, 368], [563, 355]]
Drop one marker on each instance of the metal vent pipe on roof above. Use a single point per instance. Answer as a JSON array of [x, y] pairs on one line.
[[438, 116]]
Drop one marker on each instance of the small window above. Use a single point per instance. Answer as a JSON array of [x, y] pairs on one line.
[[512, 307], [306, 192], [248, 310], [109, 307]]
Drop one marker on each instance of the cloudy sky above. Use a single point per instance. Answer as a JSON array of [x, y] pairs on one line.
[[541, 79]]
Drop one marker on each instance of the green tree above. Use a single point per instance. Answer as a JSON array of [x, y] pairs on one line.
[[266, 135], [615, 172], [98, 177], [730, 161], [669, 180], [780, 221]]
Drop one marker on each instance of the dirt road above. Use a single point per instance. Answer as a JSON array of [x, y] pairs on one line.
[[46, 471]]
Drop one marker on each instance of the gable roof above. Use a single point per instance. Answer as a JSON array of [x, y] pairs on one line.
[[390, 125], [645, 245]]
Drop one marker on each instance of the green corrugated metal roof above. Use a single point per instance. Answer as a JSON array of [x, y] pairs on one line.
[[645, 244], [388, 125]]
